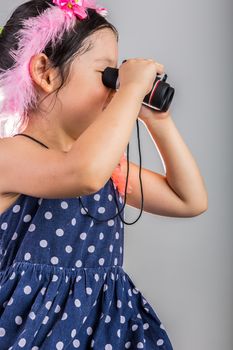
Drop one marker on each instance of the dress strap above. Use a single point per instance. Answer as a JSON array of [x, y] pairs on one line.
[[32, 139]]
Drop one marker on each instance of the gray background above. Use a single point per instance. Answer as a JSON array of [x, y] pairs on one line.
[[183, 266]]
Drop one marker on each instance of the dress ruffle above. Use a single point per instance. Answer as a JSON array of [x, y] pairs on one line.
[[92, 300]]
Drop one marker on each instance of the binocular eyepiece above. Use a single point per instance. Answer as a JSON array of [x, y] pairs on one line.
[[160, 96]]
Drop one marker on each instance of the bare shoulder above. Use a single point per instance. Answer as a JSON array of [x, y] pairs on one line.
[[27, 167]]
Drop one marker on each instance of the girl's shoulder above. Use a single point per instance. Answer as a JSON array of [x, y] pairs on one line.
[[27, 167]]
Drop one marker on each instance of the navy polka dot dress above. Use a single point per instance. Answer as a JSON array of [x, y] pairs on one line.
[[62, 284]]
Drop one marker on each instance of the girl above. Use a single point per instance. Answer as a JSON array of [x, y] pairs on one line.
[[62, 282]]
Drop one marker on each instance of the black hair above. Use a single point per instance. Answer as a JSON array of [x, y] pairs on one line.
[[62, 55]]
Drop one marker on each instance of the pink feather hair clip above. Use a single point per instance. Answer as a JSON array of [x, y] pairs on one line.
[[19, 93]]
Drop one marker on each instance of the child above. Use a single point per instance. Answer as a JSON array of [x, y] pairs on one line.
[[62, 284]]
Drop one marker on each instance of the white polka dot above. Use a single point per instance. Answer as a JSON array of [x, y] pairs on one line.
[[32, 315], [145, 326], [27, 218], [10, 301], [160, 342], [73, 333], [12, 276], [134, 327], [14, 237], [117, 235], [18, 320], [107, 319], [140, 345], [59, 232], [83, 211], [76, 343], [57, 309], [101, 235], [4, 225], [27, 256], [111, 248], [122, 319], [110, 222], [88, 290], [91, 248], [2, 332], [43, 243], [101, 210], [97, 277], [45, 320], [78, 263], [27, 290], [127, 345], [162, 326], [54, 260], [83, 235], [64, 205], [48, 305], [78, 278], [55, 278], [32, 228], [16, 208], [64, 316], [110, 197], [48, 215], [59, 345], [101, 261], [43, 290], [22, 342], [77, 302], [119, 303], [89, 330], [73, 222], [108, 347], [96, 197], [115, 261], [68, 249], [48, 335]]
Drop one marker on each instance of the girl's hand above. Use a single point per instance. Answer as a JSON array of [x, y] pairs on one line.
[[147, 113]]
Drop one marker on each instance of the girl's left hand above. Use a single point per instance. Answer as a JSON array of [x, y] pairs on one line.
[[147, 113]]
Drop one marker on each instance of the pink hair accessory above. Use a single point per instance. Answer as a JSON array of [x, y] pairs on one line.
[[78, 7], [17, 86]]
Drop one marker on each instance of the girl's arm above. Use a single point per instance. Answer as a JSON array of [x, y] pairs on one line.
[[181, 193]]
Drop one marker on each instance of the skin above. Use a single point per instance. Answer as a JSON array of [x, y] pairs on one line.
[[179, 193], [80, 101]]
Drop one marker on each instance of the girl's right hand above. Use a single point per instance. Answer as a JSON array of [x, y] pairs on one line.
[[140, 73]]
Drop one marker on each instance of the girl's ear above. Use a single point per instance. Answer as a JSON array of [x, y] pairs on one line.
[[42, 73]]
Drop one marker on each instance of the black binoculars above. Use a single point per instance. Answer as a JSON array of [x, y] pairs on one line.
[[160, 96]]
